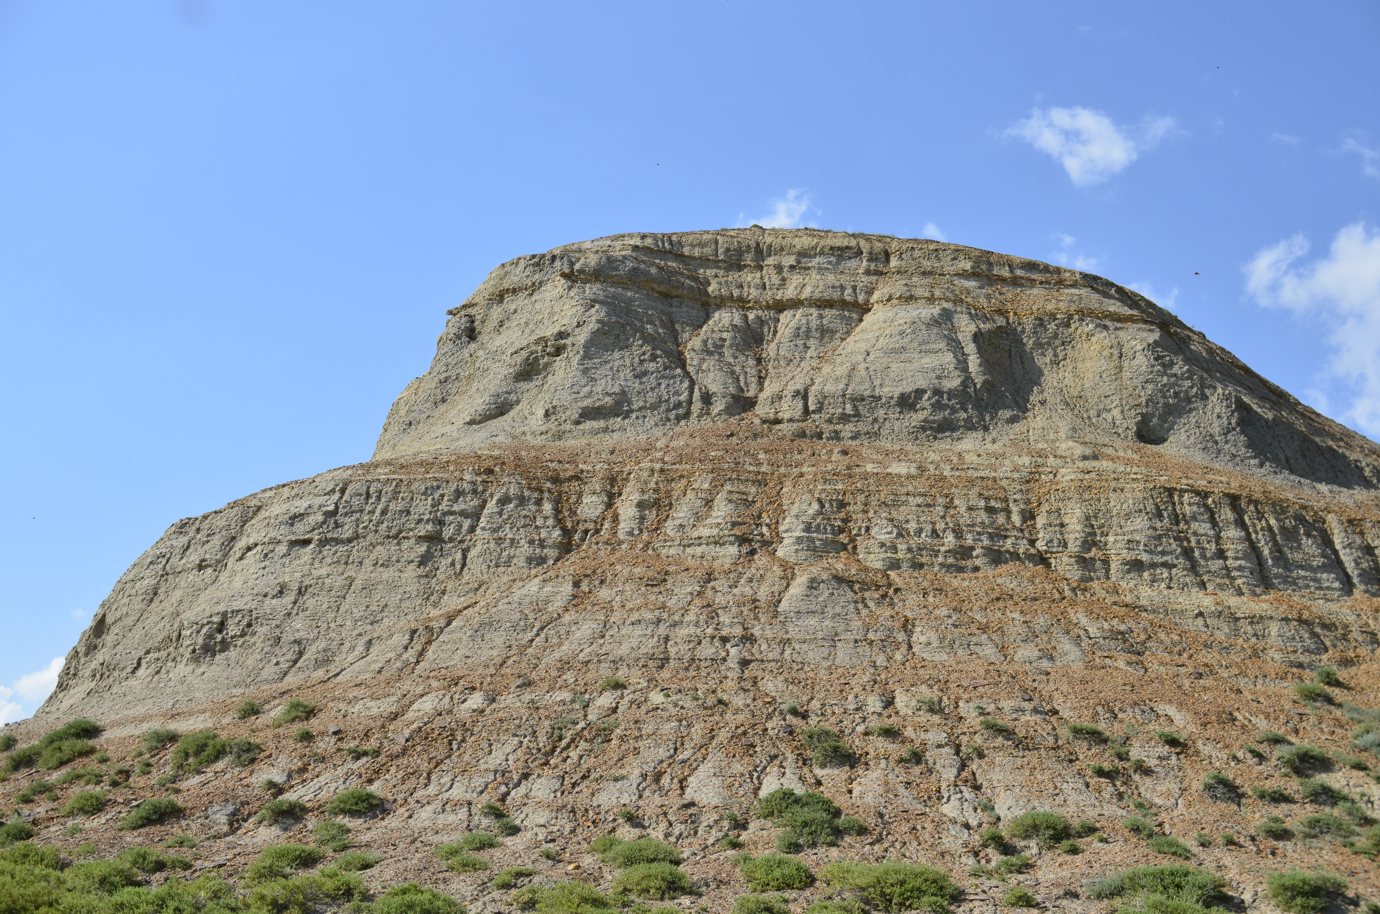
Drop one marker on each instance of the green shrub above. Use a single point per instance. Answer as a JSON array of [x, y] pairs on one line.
[[1140, 826], [453, 855], [1018, 897], [927, 705], [61, 752], [1320, 793], [8, 741], [332, 835], [807, 819], [1044, 827], [1010, 866], [1369, 845], [478, 841], [278, 811], [358, 752], [306, 893], [512, 877], [775, 873], [827, 748], [506, 827], [198, 750], [1326, 825], [1272, 794], [14, 832], [152, 811], [1170, 739], [1109, 772], [1274, 828], [611, 684], [1302, 760], [1070, 847], [621, 854], [1328, 676], [992, 725], [158, 739], [278, 861], [89, 776], [563, 898], [248, 708], [1310, 693], [303, 735], [885, 731], [85, 803], [147, 860], [893, 886], [410, 898], [357, 861], [1217, 786], [295, 711], [912, 756], [1273, 738], [835, 906], [1299, 892], [355, 802], [1087, 733], [1172, 847], [652, 880], [760, 904], [1173, 883]]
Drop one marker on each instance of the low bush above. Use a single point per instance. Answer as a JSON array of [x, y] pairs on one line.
[[306, 893], [357, 861], [1273, 738], [512, 877], [1299, 892], [1303, 760], [1328, 676], [332, 835], [1311, 693], [147, 860], [248, 708], [1173, 847], [1170, 739], [1173, 883], [459, 859], [1018, 897], [62, 752], [612, 684], [356, 801], [1044, 827], [1274, 828], [1140, 826], [827, 748], [410, 898], [1087, 733], [295, 711], [775, 873], [197, 751], [1326, 825], [760, 904], [158, 739], [84, 803], [8, 741], [1321, 793], [478, 841], [276, 812], [652, 881], [563, 898], [893, 886], [153, 811], [1010, 866], [1217, 786], [807, 819], [1272, 794], [992, 725], [278, 861], [618, 853], [14, 832]]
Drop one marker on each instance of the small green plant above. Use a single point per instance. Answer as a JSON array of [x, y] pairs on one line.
[[303, 735], [84, 803], [1139, 826], [1328, 676], [806, 819], [622, 854], [1274, 828], [1106, 772], [295, 711], [792, 709], [356, 801], [1019, 897], [357, 861], [158, 738], [332, 835], [885, 731], [279, 861], [1070, 847], [280, 811], [1173, 847], [760, 904], [204, 748], [153, 811], [775, 873], [1321, 793], [356, 753], [1012, 865], [15, 832], [1326, 825], [247, 709], [1173, 889], [1302, 760], [612, 684], [1042, 826], [992, 838], [911, 756], [410, 898], [1273, 738], [459, 859], [512, 877], [894, 887], [1220, 788], [1313, 694], [658, 881], [927, 705], [8, 741], [729, 843], [1271, 794], [1300, 892], [478, 841], [1087, 733], [992, 725], [827, 748], [1170, 739]]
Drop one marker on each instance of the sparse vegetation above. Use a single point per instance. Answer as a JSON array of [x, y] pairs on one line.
[[1220, 788], [1019, 897], [612, 684], [1087, 733], [992, 725], [278, 861], [153, 811], [1326, 825], [806, 819], [457, 858], [827, 748], [158, 738], [356, 801], [1170, 739], [357, 861], [279, 811], [410, 898], [1173, 889], [1274, 828], [1044, 827], [1328, 676], [1140, 826], [332, 835], [84, 803], [1303, 760], [295, 711], [203, 748], [1313, 694], [893, 887], [775, 873], [247, 709], [1273, 738], [1300, 892], [512, 877], [356, 753], [760, 904], [1173, 847], [622, 854], [658, 881], [885, 731], [927, 705], [563, 898], [1321, 793], [1272, 794]]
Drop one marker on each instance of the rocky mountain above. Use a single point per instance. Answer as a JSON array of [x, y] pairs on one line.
[[669, 513]]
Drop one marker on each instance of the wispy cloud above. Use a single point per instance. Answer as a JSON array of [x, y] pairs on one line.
[[1087, 143], [1342, 291], [1285, 139], [787, 211], [1068, 254], [1370, 155], [20, 698], [933, 231]]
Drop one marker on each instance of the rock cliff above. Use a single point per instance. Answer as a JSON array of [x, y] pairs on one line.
[[902, 488]]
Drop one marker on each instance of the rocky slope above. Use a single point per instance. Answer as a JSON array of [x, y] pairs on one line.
[[905, 489]]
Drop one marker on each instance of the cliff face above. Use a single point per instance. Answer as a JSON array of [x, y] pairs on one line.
[[820, 419]]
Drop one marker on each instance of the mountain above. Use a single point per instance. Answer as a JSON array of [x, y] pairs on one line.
[[673, 521]]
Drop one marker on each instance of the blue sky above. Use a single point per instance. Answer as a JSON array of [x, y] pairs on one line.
[[229, 230]]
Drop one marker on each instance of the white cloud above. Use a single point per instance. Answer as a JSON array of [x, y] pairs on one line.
[[22, 697], [1285, 139], [1167, 300], [1342, 291], [1089, 145], [933, 231], [786, 211], [1370, 155], [1068, 254]]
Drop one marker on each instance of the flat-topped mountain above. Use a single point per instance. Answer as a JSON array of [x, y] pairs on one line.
[[664, 505]]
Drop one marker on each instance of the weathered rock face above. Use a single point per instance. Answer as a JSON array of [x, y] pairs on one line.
[[780, 430]]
